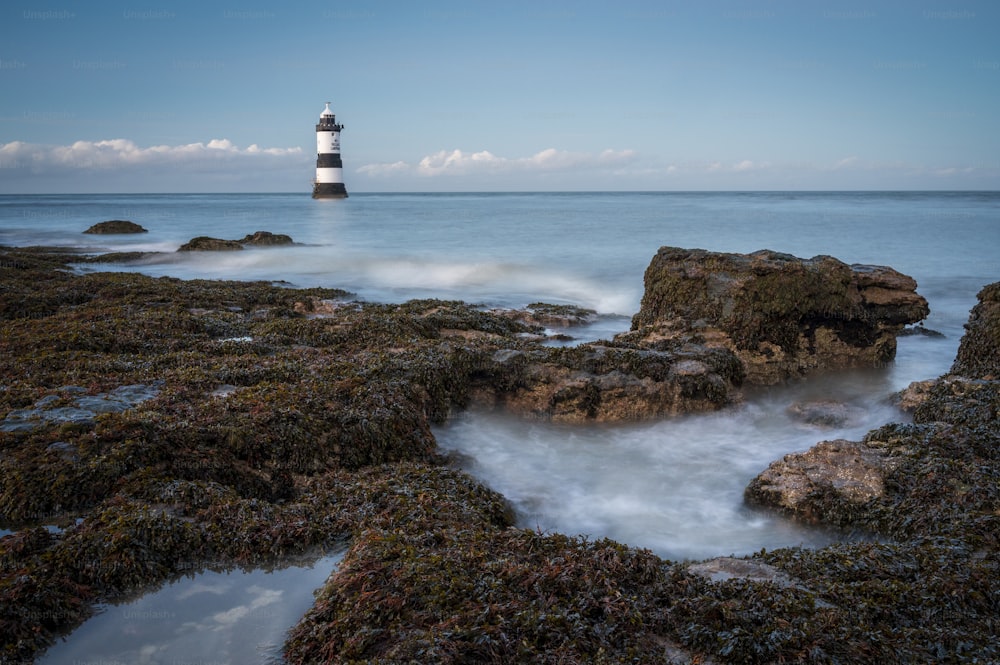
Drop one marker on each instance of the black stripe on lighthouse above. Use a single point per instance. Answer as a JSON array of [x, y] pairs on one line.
[[329, 161]]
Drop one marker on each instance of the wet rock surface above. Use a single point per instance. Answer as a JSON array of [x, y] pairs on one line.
[[209, 244], [979, 351], [781, 315], [115, 226], [266, 239], [853, 472], [824, 413], [276, 431], [258, 239]]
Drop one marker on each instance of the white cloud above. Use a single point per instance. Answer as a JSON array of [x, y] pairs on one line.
[[262, 598], [385, 169], [457, 162], [845, 162], [121, 165], [113, 154]]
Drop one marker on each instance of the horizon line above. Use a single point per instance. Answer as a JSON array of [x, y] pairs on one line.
[[527, 191]]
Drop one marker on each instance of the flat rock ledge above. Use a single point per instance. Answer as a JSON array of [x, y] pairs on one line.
[[602, 383], [782, 316]]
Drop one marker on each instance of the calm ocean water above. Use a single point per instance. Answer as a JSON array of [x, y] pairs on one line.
[[674, 486]]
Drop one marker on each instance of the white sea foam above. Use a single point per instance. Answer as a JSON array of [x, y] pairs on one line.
[[674, 486]]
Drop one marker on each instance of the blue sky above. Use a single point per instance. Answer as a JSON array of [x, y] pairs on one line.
[[467, 96]]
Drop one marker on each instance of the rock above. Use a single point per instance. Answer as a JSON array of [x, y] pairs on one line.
[[317, 307], [919, 330], [546, 315], [258, 239], [830, 471], [266, 239], [823, 413], [113, 226], [979, 351], [206, 244], [912, 396], [599, 383], [68, 451], [781, 315], [724, 568]]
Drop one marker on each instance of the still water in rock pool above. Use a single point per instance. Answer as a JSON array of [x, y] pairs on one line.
[[208, 617]]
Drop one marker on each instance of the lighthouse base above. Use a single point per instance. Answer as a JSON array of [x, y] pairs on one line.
[[329, 190]]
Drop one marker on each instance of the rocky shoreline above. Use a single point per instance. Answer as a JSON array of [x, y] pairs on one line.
[[234, 423]]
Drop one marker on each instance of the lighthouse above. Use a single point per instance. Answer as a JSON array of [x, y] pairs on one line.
[[329, 183]]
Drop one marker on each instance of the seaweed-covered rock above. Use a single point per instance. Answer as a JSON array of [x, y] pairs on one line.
[[207, 244], [979, 351], [115, 226], [266, 239], [604, 383], [257, 239], [781, 315]]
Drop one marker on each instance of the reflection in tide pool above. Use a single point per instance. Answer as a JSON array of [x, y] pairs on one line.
[[209, 617]]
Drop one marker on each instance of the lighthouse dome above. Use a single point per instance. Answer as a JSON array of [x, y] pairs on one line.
[[326, 111]]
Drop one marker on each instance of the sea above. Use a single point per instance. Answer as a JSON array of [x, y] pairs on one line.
[[674, 486]]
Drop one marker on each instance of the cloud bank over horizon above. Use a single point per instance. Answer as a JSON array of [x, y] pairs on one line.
[[124, 153], [456, 162], [123, 165]]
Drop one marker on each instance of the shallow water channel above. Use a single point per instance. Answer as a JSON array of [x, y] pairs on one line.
[[674, 486], [206, 617]]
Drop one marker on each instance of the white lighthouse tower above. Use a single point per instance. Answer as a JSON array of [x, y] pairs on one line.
[[329, 183]]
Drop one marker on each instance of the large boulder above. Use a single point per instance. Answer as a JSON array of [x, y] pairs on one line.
[[781, 315]]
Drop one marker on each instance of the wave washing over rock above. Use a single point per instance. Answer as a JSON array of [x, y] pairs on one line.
[[276, 431]]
